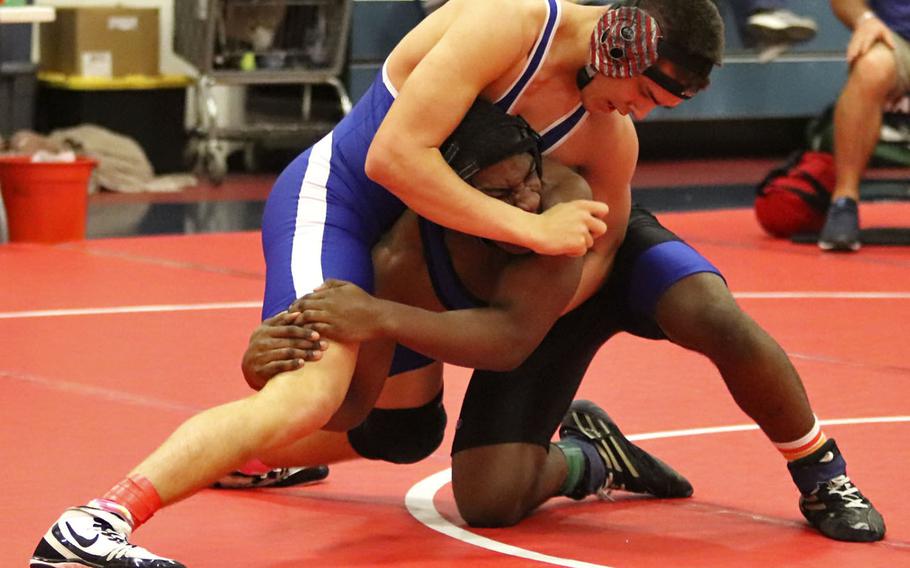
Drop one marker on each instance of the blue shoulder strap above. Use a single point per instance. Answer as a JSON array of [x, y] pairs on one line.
[[543, 43], [559, 130], [448, 287]]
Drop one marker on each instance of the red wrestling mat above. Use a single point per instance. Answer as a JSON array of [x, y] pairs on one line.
[[109, 345]]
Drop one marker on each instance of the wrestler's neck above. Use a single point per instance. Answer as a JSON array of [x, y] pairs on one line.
[[556, 80], [570, 50]]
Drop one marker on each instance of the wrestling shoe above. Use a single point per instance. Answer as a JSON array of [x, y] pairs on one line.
[[613, 461], [841, 230], [279, 477], [830, 501], [86, 536]]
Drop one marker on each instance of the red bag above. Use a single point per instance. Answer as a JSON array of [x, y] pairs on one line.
[[794, 198]]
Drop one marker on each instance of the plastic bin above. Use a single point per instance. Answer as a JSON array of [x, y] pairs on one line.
[[148, 109], [45, 202]]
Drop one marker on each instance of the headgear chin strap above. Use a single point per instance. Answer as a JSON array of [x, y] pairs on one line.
[[627, 42]]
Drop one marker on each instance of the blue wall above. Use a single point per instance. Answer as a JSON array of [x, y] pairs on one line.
[[799, 83], [376, 28]]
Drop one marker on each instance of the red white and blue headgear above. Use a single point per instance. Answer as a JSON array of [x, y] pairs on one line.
[[627, 42]]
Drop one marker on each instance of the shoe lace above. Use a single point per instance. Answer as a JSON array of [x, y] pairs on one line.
[[605, 490], [110, 533], [276, 474], [849, 494]]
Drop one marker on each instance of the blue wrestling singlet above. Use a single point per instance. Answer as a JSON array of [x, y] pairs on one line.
[[324, 214], [557, 132], [449, 289]]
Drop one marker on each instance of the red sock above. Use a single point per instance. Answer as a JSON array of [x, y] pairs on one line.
[[136, 496], [255, 467]]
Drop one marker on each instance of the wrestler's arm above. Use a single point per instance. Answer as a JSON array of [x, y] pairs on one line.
[[527, 299], [528, 296], [609, 174], [484, 41]]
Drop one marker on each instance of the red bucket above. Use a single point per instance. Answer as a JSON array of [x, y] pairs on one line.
[[45, 202]]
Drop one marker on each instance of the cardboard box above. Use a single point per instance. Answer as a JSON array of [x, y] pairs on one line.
[[101, 42]]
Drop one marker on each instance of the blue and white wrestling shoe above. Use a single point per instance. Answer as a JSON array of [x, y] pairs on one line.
[[278, 477], [86, 536]]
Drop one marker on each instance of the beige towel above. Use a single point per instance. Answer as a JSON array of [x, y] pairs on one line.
[[122, 163]]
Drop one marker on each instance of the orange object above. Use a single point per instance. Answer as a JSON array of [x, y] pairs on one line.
[[45, 202]]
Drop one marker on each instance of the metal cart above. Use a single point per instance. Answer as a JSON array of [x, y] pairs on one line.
[[259, 42]]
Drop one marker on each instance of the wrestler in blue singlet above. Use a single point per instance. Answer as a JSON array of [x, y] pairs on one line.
[[645, 274], [324, 214], [665, 262]]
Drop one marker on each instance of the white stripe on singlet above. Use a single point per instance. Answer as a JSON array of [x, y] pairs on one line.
[[387, 81], [306, 251]]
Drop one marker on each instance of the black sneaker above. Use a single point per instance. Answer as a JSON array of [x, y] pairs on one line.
[[841, 230], [627, 467], [831, 502], [279, 477], [86, 536]]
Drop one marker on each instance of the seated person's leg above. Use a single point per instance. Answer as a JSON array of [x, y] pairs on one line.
[[875, 77], [872, 81]]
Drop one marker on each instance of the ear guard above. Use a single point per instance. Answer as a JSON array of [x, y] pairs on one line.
[[627, 42]]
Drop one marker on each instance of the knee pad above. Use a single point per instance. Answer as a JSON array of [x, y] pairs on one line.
[[400, 435]]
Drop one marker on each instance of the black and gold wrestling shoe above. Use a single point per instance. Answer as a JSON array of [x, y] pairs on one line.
[[613, 462], [830, 501]]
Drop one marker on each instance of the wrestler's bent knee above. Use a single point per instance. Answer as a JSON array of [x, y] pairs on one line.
[[400, 435], [494, 485]]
